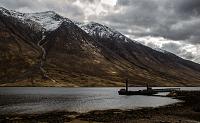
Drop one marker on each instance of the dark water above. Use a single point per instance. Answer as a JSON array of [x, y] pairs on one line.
[[25, 100]]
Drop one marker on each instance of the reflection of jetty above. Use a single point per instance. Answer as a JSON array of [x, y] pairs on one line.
[[148, 91]]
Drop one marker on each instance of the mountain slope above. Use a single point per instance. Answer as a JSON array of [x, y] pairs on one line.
[[164, 64], [18, 52], [46, 49]]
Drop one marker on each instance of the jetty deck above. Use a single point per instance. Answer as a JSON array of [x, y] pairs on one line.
[[149, 91], [166, 89]]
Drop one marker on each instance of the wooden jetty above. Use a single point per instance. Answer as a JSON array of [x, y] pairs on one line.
[[149, 91]]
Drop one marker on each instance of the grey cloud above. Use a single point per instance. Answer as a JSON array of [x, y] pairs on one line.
[[173, 47], [152, 45], [177, 49], [191, 7], [136, 12], [188, 55], [17, 4], [62, 7], [174, 19]]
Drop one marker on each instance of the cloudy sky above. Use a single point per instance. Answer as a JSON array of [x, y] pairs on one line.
[[172, 25]]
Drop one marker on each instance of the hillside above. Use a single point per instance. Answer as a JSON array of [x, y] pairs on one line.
[[46, 49]]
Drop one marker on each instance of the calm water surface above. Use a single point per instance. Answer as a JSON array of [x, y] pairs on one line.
[[22, 100]]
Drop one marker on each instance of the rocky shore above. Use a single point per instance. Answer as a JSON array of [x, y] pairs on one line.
[[187, 111]]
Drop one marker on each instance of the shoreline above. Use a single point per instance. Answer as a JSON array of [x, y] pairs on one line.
[[2, 86], [187, 111]]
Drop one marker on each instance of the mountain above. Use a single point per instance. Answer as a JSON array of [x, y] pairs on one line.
[[46, 49]]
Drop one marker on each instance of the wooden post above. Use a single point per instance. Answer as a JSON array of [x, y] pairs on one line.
[[147, 86], [126, 85]]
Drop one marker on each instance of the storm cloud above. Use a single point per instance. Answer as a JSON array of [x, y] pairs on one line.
[[172, 25]]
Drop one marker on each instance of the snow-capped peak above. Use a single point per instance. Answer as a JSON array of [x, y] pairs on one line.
[[92, 27], [48, 20], [99, 30]]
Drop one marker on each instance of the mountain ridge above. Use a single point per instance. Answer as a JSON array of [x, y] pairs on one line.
[[61, 52]]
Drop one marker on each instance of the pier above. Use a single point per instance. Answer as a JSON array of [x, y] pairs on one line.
[[148, 91]]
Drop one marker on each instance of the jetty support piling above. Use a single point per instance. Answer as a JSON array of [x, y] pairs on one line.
[[126, 85]]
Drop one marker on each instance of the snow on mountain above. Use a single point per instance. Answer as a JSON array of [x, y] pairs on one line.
[[98, 30], [92, 27], [47, 20]]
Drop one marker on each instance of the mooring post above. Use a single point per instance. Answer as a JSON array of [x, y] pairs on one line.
[[126, 84], [147, 85]]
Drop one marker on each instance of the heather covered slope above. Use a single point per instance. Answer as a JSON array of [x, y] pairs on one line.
[[46, 49], [18, 54]]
